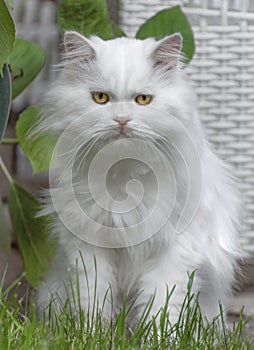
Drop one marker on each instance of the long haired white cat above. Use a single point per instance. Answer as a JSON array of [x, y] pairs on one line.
[[139, 199]]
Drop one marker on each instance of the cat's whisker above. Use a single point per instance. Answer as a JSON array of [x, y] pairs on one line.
[[72, 151], [74, 147], [83, 156], [167, 149], [70, 160], [158, 137]]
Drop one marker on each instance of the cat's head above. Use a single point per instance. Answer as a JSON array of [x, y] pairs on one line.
[[120, 88], [127, 91]]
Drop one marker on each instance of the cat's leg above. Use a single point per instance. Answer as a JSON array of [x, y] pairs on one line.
[[85, 279], [217, 281], [168, 273], [211, 285], [97, 281]]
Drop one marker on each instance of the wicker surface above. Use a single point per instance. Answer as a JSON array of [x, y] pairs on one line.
[[223, 75], [36, 20]]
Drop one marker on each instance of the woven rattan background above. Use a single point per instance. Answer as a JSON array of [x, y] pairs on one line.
[[36, 20], [223, 75]]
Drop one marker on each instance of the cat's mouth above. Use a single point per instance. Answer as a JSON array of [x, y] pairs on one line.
[[121, 133], [113, 132], [131, 130]]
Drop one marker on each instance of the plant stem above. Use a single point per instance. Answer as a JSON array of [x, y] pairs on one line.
[[7, 141], [5, 171]]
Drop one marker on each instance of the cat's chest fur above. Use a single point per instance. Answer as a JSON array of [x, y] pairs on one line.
[[127, 206]]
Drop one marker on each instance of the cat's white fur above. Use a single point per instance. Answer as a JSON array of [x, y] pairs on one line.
[[125, 68]]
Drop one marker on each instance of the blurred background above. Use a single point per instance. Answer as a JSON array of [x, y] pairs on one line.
[[222, 73]]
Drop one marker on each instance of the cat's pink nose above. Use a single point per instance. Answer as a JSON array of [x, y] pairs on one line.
[[122, 121]]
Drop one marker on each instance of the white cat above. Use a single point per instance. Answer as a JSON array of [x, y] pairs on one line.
[[122, 110]]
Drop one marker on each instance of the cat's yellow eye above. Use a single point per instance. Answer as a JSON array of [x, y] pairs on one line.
[[100, 97], [143, 99]]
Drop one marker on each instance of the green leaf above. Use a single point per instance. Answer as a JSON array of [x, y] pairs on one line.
[[5, 237], [37, 147], [7, 33], [26, 61], [32, 233], [10, 2], [86, 17], [167, 22], [5, 99], [117, 31]]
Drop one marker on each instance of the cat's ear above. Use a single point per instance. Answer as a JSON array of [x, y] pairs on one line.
[[168, 51], [78, 47]]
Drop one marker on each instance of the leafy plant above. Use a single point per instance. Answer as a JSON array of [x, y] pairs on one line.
[[85, 17], [7, 30], [5, 98], [167, 22], [26, 61], [22, 60], [90, 17], [38, 148]]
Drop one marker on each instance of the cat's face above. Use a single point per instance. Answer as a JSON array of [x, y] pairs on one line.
[[120, 88]]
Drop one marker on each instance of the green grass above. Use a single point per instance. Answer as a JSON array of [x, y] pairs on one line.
[[20, 329]]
